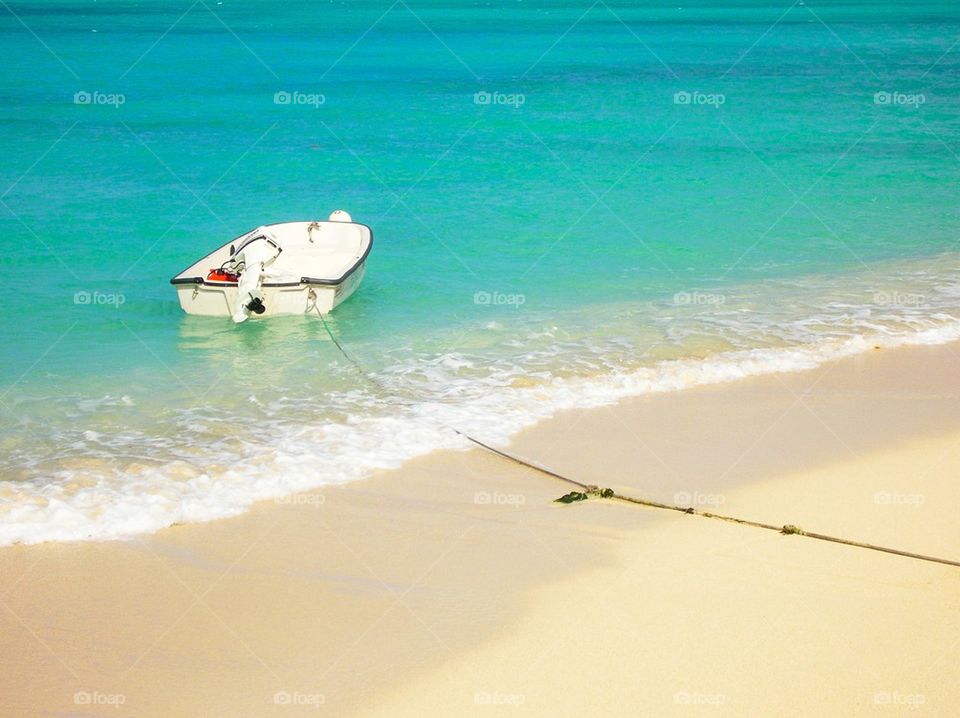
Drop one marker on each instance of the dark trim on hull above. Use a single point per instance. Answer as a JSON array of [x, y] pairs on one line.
[[303, 280]]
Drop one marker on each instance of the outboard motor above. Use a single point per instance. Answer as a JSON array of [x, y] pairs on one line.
[[251, 259]]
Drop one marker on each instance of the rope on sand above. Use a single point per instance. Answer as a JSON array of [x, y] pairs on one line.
[[606, 493], [786, 529]]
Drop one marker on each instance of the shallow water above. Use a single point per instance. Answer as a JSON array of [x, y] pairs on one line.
[[641, 198]]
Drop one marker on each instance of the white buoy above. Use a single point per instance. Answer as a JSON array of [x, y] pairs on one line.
[[338, 215]]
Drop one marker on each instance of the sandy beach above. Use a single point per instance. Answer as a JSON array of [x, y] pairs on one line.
[[317, 311], [455, 585]]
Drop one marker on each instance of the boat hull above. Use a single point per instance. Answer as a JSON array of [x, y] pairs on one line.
[[315, 267], [211, 299]]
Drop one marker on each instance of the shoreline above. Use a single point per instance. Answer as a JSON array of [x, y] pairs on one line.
[[390, 595], [225, 490]]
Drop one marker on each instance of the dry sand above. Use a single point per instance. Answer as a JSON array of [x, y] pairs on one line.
[[455, 585]]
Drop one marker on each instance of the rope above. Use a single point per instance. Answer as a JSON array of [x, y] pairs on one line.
[[343, 351], [359, 367], [590, 489]]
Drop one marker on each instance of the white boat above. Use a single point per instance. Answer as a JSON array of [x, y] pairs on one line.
[[285, 268]]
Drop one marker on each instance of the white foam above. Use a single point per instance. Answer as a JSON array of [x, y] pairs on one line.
[[97, 502]]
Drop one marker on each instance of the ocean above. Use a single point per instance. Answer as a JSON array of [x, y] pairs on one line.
[[572, 203]]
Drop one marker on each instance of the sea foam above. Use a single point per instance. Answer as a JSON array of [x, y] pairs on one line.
[[96, 501]]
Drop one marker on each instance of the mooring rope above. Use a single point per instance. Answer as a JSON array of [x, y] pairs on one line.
[[786, 529], [606, 493]]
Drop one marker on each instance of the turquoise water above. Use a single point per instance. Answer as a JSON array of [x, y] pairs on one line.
[[719, 185]]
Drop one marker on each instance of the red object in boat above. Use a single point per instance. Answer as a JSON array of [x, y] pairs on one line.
[[220, 275]]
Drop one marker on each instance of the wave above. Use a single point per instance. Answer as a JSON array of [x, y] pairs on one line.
[[97, 499]]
